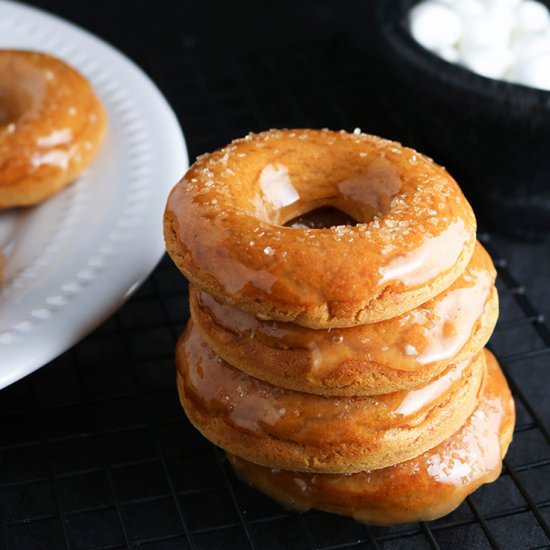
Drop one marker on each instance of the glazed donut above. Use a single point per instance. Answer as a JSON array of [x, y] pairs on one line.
[[51, 126], [286, 429], [422, 489], [397, 354], [225, 227]]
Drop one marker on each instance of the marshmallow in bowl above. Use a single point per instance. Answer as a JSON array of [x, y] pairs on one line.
[[435, 25], [532, 16], [501, 39]]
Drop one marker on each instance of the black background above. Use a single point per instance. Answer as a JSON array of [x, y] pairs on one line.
[[95, 452]]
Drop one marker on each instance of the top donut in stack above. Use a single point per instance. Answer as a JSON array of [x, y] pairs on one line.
[[332, 350], [224, 227]]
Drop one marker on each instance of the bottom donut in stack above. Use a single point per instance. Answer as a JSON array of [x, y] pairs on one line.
[[421, 489]]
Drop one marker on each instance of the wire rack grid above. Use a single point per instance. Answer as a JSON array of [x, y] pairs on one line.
[[95, 452]]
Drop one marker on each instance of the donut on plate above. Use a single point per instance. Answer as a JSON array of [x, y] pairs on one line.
[[421, 489], [51, 126], [397, 354], [298, 431], [225, 227]]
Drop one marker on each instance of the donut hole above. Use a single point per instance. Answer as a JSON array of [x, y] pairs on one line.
[[12, 106], [327, 192], [326, 216], [21, 85]]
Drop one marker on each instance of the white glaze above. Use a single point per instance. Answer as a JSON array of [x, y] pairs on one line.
[[55, 157], [277, 186], [459, 309], [474, 452], [57, 137], [435, 255], [417, 399]]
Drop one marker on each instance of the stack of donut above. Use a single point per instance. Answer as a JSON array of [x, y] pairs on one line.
[[341, 367]]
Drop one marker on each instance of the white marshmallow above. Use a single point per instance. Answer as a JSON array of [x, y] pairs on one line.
[[492, 30], [434, 25], [528, 45], [468, 8], [533, 72], [448, 53], [498, 5], [532, 16], [492, 62]]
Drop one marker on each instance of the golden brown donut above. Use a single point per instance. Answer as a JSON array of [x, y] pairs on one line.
[[224, 227], [424, 488], [392, 355], [300, 431], [51, 126]]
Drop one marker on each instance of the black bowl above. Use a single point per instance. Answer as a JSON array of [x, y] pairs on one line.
[[493, 136]]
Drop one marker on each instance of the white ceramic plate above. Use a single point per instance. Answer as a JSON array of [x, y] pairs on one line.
[[71, 262]]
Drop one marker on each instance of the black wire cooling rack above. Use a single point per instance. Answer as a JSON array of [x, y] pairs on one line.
[[95, 452]]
